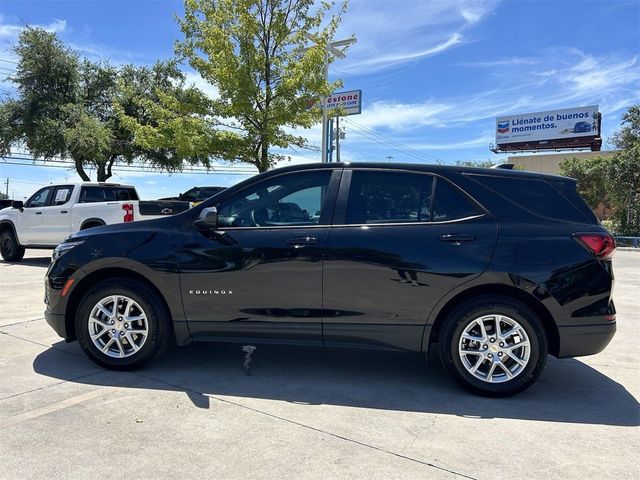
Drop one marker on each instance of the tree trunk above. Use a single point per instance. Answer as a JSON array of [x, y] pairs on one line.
[[80, 170], [263, 165], [102, 173]]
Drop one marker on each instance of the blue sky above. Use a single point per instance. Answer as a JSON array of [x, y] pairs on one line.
[[434, 74]]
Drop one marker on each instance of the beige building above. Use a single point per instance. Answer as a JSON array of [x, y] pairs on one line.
[[550, 162]]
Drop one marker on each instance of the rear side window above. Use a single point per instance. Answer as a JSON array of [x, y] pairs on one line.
[[389, 197], [535, 195], [451, 204], [107, 194]]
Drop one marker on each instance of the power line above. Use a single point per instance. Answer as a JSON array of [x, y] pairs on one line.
[[394, 142], [8, 61], [387, 144], [138, 167]]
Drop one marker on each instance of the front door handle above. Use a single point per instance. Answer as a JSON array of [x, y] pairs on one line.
[[299, 242], [457, 238], [38, 213], [63, 211]]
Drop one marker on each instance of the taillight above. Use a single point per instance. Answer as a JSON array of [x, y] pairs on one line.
[[128, 212], [600, 244]]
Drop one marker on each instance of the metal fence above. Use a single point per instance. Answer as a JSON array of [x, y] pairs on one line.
[[628, 242]]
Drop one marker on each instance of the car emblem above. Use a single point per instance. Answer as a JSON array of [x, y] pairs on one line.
[[166, 211]]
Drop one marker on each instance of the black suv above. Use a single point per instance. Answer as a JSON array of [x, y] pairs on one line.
[[496, 267]]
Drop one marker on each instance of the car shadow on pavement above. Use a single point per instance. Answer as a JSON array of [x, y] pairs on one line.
[[568, 391], [32, 262]]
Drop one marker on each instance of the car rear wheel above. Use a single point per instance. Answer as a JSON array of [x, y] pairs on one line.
[[493, 346], [122, 324], [10, 249]]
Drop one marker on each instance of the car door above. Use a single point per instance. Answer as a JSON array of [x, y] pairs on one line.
[[400, 241], [30, 219], [56, 216], [259, 274]]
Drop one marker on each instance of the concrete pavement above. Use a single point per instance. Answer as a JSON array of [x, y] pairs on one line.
[[304, 413]]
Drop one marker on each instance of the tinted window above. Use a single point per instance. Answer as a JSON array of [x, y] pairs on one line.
[[62, 195], [40, 198], [533, 194], [294, 199], [450, 203], [107, 194], [389, 197]]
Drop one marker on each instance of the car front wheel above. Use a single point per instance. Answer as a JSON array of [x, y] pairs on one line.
[[122, 324], [493, 346]]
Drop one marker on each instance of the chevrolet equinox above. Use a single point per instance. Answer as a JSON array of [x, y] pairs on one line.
[[494, 268]]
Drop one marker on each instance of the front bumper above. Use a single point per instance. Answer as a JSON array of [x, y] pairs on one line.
[[57, 322], [580, 340]]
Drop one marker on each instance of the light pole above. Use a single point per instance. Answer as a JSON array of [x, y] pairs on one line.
[[336, 48]]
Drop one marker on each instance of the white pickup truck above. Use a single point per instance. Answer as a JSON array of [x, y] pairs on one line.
[[54, 212]]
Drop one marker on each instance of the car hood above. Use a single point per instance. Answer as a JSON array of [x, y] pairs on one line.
[[157, 224]]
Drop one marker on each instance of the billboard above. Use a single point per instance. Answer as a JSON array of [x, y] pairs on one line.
[[566, 128], [349, 103]]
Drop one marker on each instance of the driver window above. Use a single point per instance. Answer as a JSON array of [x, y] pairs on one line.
[[287, 200], [39, 199]]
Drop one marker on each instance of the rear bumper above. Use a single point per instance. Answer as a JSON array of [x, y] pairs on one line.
[[580, 340]]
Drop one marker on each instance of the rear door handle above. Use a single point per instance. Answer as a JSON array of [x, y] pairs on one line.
[[457, 238], [299, 242], [38, 213], [63, 211]]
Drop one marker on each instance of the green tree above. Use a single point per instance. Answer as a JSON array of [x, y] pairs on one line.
[[259, 56], [69, 107], [591, 174], [614, 180]]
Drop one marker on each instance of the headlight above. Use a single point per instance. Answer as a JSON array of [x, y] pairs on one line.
[[62, 249]]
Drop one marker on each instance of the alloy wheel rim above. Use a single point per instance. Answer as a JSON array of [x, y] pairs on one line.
[[118, 326], [494, 348]]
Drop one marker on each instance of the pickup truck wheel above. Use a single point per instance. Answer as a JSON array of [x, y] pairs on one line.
[[493, 346], [10, 249], [121, 324]]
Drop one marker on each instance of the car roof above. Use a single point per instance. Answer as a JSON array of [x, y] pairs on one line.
[[422, 167]]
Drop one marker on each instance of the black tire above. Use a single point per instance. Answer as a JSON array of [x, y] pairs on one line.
[[463, 316], [10, 249], [159, 323], [91, 225]]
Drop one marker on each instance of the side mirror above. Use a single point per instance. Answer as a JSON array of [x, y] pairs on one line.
[[17, 204], [208, 218]]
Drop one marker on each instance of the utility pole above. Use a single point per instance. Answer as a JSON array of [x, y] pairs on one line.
[[338, 139], [7, 188], [389, 158], [333, 48]]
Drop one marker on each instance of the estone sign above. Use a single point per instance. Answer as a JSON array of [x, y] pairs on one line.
[[349, 103]]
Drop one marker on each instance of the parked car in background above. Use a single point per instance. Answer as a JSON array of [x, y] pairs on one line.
[[54, 212], [197, 194], [493, 268]]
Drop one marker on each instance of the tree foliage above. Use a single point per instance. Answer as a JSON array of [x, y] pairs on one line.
[[614, 180], [68, 107], [266, 59]]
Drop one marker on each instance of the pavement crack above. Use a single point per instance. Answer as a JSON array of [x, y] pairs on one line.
[[22, 322], [315, 429], [50, 385]]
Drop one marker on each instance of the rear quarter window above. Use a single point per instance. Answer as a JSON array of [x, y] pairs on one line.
[[535, 195]]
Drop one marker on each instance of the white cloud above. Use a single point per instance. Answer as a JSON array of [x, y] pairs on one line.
[[390, 33], [11, 31]]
